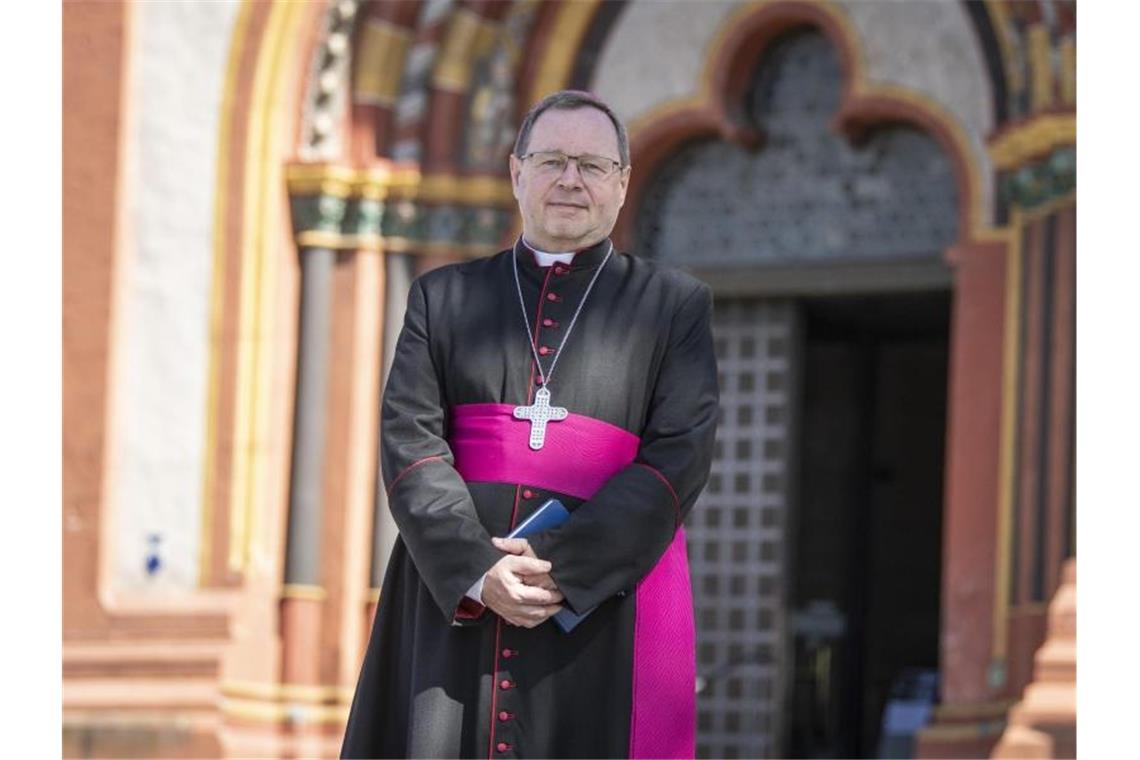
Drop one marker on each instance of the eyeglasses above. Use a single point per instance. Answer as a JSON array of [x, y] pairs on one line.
[[553, 162]]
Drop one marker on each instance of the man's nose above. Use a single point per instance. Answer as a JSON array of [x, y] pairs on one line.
[[568, 179]]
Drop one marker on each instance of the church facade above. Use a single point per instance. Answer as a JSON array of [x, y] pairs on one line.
[[881, 195]]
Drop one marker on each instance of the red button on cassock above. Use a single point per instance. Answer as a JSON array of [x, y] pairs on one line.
[[548, 322], [545, 350], [528, 494], [502, 746], [508, 653], [552, 297], [559, 269], [505, 684], [504, 716]]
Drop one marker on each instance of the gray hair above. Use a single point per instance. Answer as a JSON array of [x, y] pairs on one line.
[[568, 100]]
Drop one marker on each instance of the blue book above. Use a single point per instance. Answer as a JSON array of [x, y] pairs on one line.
[[550, 515]]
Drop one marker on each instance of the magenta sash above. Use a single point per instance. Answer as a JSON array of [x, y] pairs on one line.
[[580, 453]]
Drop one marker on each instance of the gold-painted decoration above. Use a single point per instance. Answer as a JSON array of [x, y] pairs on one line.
[[379, 62], [291, 692], [397, 244], [320, 179], [379, 207], [1041, 68], [1009, 43], [321, 239], [467, 191], [1069, 72], [259, 277], [372, 183], [217, 287], [565, 41], [284, 712], [1011, 379], [1031, 139], [404, 182], [303, 591], [382, 182], [469, 36]]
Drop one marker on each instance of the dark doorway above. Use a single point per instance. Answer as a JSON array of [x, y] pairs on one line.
[[867, 536]]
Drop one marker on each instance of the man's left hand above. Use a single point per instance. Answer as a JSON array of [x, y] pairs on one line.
[[521, 546]]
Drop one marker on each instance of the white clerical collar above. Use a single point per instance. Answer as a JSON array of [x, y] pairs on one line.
[[546, 259]]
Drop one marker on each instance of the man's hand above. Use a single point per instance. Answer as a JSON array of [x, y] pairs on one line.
[[521, 547], [511, 591]]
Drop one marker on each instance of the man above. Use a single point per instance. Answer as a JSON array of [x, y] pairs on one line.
[[463, 659]]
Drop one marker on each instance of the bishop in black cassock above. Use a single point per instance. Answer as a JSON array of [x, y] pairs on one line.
[[445, 676]]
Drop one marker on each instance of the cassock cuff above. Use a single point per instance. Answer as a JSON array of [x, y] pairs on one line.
[[471, 606], [475, 593], [468, 611]]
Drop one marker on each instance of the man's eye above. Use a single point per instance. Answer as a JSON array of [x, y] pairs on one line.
[[593, 167], [551, 163]]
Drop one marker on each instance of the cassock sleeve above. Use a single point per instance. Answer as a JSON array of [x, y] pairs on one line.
[[614, 539], [429, 500]]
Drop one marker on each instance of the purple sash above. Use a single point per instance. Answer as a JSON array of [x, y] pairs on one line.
[[580, 454]]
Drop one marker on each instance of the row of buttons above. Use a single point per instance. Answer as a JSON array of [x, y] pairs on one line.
[[506, 684], [548, 322]]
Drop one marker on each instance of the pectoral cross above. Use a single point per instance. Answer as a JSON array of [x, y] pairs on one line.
[[539, 413]]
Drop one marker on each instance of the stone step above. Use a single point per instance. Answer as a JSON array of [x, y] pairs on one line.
[[1056, 661]]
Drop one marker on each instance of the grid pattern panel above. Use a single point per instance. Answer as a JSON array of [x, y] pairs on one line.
[[736, 533]]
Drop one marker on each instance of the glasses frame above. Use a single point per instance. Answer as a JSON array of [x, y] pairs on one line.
[[615, 168]]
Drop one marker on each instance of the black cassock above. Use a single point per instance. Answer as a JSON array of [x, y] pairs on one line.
[[443, 677]]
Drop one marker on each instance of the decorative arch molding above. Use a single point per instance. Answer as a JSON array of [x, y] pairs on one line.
[[716, 111], [252, 228], [400, 54]]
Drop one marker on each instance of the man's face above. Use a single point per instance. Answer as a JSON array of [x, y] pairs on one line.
[[566, 211]]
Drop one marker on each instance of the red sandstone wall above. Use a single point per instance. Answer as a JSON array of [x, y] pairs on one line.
[[95, 47]]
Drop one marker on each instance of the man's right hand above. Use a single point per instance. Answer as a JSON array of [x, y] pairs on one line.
[[506, 593]]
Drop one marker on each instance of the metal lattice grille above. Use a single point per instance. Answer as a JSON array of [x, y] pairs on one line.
[[807, 195], [737, 532]]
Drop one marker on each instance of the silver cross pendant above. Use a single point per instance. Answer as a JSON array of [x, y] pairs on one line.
[[539, 413]]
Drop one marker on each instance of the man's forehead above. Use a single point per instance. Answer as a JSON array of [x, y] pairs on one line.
[[579, 130]]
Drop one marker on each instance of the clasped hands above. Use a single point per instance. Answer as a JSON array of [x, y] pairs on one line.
[[518, 587]]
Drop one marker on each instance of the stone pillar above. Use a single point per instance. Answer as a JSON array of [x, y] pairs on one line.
[[986, 628], [970, 717], [302, 596], [309, 712]]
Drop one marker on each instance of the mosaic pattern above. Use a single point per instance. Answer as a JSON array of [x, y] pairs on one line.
[[1040, 182], [808, 195]]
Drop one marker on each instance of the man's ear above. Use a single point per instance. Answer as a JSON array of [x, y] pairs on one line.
[[514, 166], [623, 183]]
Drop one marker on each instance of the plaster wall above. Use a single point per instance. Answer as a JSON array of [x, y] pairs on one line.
[[179, 55], [657, 50]]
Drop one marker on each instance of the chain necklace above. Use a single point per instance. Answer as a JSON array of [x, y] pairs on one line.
[[541, 412]]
